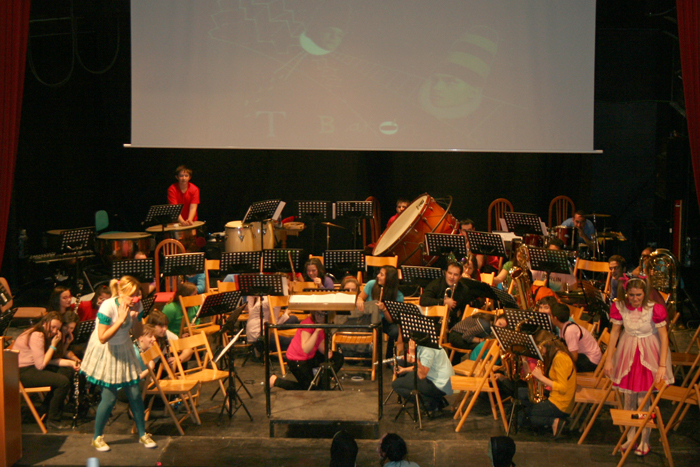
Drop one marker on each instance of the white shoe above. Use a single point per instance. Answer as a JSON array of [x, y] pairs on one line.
[[99, 444], [147, 441]]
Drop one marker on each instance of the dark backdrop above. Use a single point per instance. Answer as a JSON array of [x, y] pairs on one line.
[[71, 160]]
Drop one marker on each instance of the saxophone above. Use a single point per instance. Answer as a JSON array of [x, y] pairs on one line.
[[535, 387], [521, 280]]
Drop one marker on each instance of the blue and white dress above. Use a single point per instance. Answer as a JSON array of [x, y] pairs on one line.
[[114, 363]]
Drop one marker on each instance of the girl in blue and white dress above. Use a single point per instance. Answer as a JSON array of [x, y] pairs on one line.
[[110, 361]]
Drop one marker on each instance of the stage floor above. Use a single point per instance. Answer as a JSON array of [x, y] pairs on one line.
[[240, 442]]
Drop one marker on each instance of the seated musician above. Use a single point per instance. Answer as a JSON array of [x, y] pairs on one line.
[[486, 264], [434, 373], [173, 309], [252, 325], [401, 205], [583, 347], [471, 268], [384, 287], [618, 268], [518, 258], [87, 310], [559, 375], [640, 270], [315, 272], [448, 290], [350, 284], [159, 321], [557, 281], [146, 289], [185, 193], [306, 352], [584, 227], [470, 332], [60, 300]]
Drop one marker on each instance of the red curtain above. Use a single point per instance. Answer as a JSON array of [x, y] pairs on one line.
[[689, 36], [14, 28]]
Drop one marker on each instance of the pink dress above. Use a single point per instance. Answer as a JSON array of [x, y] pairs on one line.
[[638, 351]]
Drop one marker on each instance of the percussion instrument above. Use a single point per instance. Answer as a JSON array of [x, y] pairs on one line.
[[246, 237], [404, 237], [191, 236], [533, 240], [115, 246], [566, 235]]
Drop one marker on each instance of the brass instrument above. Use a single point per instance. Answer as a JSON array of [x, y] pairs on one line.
[[521, 280], [535, 387], [662, 272]]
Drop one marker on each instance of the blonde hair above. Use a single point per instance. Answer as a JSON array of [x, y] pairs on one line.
[[127, 285], [148, 330]]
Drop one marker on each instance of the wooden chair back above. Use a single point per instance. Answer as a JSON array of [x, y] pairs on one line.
[[30, 312], [560, 209], [189, 302], [168, 246], [210, 265], [378, 262], [226, 286], [496, 210], [594, 266]]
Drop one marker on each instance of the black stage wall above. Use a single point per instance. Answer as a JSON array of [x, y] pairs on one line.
[[71, 160]]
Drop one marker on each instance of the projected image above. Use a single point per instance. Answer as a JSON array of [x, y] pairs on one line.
[[363, 74]]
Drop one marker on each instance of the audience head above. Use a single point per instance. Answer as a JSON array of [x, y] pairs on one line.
[[392, 448], [343, 450], [501, 451], [60, 299]]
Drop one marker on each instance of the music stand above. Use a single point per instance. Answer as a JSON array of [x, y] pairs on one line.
[[277, 260], [240, 262], [522, 223], [261, 211], [487, 291], [183, 264], [147, 304], [343, 263], [162, 214], [354, 210], [420, 275], [441, 244], [484, 243], [534, 319], [215, 305], [520, 344], [314, 212], [83, 331], [425, 331], [595, 303], [549, 261], [76, 239], [141, 269], [260, 285]]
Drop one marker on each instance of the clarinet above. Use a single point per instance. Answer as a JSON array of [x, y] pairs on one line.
[[76, 378]]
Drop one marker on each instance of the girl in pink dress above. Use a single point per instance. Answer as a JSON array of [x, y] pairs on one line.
[[639, 349]]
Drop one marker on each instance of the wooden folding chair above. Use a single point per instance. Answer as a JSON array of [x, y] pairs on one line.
[[596, 398], [378, 262], [168, 246], [282, 302], [25, 392], [643, 419], [467, 367], [483, 380], [206, 325], [602, 267], [358, 338], [684, 397], [210, 265], [201, 367], [681, 360], [182, 388], [594, 379], [27, 312], [444, 341], [496, 210]]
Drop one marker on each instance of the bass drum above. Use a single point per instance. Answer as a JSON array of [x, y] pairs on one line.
[[404, 238], [116, 246], [566, 235], [192, 237]]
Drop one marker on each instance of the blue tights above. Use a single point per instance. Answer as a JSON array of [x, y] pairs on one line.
[[109, 398]]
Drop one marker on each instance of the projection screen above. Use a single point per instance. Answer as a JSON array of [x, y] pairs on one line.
[[473, 75]]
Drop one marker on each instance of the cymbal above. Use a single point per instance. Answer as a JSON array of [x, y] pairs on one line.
[[598, 215], [330, 224]]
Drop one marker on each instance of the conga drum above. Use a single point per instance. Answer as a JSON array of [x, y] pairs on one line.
[[239, 237], [404, 237], [191, 236], [116, 246]]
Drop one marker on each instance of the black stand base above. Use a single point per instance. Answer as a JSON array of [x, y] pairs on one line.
[[233, 401]]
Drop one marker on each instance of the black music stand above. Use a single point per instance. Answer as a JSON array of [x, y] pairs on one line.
[[534, 320], [147, 304], [343, 263], [425, 331], [595, 302], [141, 269], [484, 243], [162, 214], [354, 210], [277, 260], [522, 223], [83, 331], [441, 244], [549, 261], [519, 344], [487, 291], [183, 264], [240, 262], [420, 275], [76, 239], [262, 211], [260, 285], [314, 212]]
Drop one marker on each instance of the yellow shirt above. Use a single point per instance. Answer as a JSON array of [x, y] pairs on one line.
[[563, 375]]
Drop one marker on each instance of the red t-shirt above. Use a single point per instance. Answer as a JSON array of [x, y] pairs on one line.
[[86, 312], [191, 196]]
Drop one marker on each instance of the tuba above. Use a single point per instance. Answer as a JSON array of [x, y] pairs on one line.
[[662, 273]]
